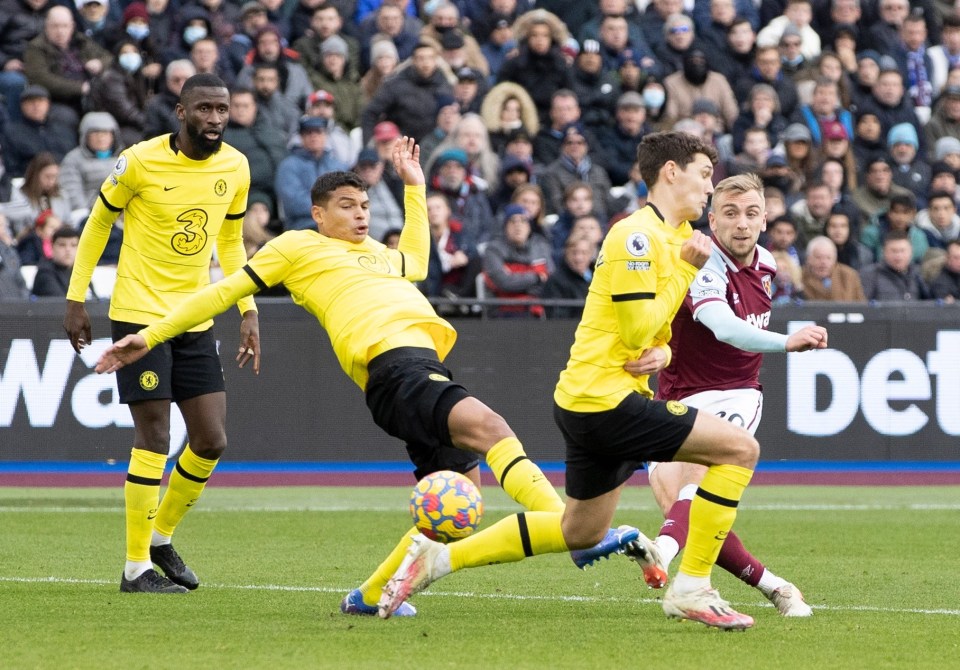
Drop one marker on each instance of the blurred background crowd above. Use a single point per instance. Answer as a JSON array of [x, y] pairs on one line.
[[528, 115]]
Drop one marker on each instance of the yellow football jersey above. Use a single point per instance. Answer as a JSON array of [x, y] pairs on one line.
[[638, 286], [175, 211], [362, 294]]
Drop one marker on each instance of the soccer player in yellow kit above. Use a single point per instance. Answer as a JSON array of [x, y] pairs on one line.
[[181, 195], [387, 338], [610, 423]]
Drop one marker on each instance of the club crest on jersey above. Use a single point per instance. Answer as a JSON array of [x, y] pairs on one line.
[[220, 188], [767, 282], [438, 377], [121, 165], [676, 407], [638, 244], [149, 380]]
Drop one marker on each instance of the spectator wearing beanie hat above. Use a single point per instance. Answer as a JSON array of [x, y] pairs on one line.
[[597, 89], [325, 23], [517, 263], [908, 171], [947, 149], [383, 63], [333, 74], [135, 25]]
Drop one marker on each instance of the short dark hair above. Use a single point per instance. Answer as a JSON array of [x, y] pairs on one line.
[[64, 232], [785, 220], [390, 232], [330, 182], [656, 149], [895, 235], [938, 194], [242, 90], [202, 80], [953, 243], [907, 200]]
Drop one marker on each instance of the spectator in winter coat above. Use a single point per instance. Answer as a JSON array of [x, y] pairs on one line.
[[161, 116], [571, 281], [946, 286], [37, 130], [518, 263], [84, 168], [894, 277], [539, 66], [300, 169], [264, 145], [409, 99]]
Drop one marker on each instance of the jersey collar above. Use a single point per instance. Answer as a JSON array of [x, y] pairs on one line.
[[732, 262]]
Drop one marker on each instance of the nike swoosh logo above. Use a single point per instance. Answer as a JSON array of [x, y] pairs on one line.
[[169, 188], [151, 517]]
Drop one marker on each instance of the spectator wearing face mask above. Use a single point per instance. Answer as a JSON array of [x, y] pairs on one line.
[[696, 81], [84, 168], [123, 90], [136, 26]]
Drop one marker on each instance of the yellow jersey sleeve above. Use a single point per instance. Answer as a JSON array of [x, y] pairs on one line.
[[230, 249], [413, 252]]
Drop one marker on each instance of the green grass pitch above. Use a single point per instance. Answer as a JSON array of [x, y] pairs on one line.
[[879, 565]]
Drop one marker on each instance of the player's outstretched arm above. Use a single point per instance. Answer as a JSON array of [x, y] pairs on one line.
[[406, 161], [122, 352], [807, 338]]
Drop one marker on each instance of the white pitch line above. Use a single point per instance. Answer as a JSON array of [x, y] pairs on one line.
[[486, 596], [775, 507]]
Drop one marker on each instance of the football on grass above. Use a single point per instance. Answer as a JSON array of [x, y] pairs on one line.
[[446, 506]]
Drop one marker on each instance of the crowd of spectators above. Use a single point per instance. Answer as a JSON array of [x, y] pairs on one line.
[[528, 114]]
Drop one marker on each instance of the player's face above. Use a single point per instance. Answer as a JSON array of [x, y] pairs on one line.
[[346, 216], [737, 220], [204, 113], [694, 187]]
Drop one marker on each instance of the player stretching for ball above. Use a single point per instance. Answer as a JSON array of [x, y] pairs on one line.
[[180, 194], [388, 339], [608, 418], [719, 337]]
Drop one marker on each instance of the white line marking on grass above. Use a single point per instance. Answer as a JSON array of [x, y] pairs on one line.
[[485, 596], [774, 507]]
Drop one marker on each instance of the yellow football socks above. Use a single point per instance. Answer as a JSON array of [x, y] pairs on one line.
[[141, 493], [511, 539], [712, 514], [187, 480], [521, 478], [373, 587]]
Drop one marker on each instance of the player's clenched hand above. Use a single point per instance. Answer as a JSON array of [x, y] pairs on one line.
[[250, 340], [406, 161], [696, 250], [122, 352], [807, 338], [650, 362]]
